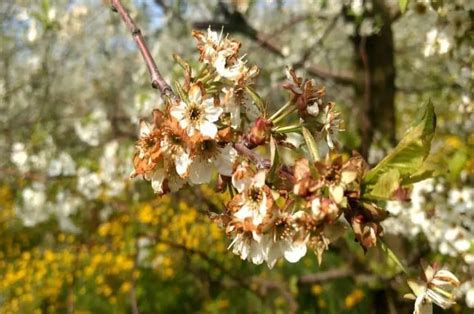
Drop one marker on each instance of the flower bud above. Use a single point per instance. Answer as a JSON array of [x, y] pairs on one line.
[[259, 132]]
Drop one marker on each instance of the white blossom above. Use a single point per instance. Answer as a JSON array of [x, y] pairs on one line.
[[437, 42], [198, 114], [200, 170]]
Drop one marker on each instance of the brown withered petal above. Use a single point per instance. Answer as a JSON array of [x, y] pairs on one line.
[[368, 238], [220, 219], [301, 170], [357, 162], [235, 203], [158, 118], [142, 166], [269, 196], [301, 187], [294, 78], [221, 184], [319, 244], [373, 212], [225, 134]]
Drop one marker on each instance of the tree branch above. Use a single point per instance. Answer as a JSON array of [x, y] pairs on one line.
[[331, 274], [157, 80]]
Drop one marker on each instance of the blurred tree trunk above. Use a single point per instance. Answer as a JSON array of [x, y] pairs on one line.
[[374, 73]]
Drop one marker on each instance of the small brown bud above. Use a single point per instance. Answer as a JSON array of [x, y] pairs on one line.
[[221, 184], [259, 132]]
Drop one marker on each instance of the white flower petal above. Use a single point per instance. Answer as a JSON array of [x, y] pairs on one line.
[[244, 212], [208, 129], [273, 254], [294, 251], [422, 306], [337, 193], [259, 179], [329, 141], [195, 94], [178, 111], [225, 160], [316, 206], [157, 180], [257, 255], [313, 109], [212, 112], [182, 162], [145, 129], [470, 297], [348, 176], [199, 172]]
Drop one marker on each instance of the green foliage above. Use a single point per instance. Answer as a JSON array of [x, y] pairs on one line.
[[259, 102], [403, 5], [398, 167], [311, 143]]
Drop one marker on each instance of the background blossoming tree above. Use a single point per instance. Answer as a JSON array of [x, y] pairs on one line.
[[77, 235]]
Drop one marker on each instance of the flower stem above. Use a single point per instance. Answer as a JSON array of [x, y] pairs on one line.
[[281, 110], [288, 129], [284, 114]]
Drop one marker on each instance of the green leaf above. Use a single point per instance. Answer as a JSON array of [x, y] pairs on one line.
[[389, 253], [311, 143], [388, 183], [274, 159], [408, 156], [457, 164], [403, 5], [256, 99]]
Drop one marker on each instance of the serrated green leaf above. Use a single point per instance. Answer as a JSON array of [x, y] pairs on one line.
[[408, 156], [256, 99], [388, 183], [311, 143]]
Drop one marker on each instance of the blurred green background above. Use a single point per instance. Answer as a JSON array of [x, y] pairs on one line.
[[77, 236]]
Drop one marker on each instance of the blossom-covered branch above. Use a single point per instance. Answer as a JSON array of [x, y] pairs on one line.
[[289, 188]]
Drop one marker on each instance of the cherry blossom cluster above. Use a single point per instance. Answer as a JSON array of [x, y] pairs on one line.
[[218, 127]]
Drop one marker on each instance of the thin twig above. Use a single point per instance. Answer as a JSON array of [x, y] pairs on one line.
[[328, 275], [317, 43], [157, 80]]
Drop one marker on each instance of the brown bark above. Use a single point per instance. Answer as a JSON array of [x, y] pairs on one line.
[[374, 67]]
